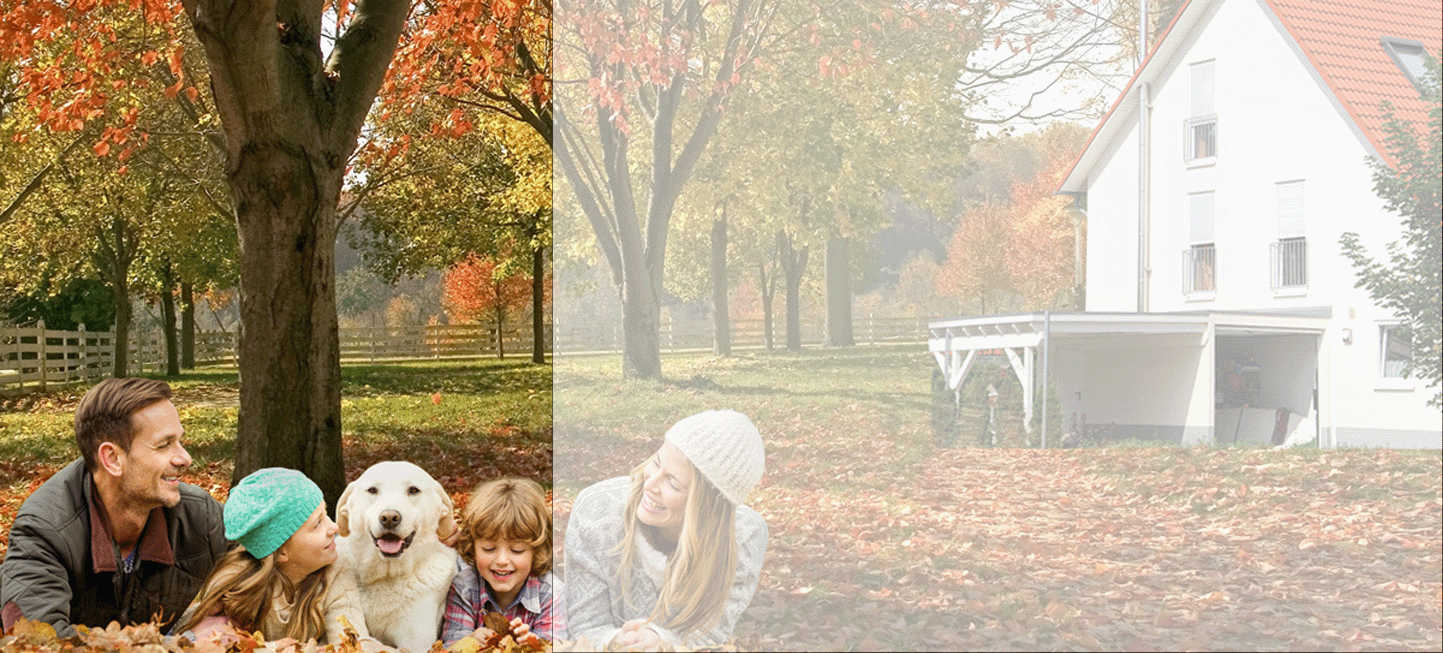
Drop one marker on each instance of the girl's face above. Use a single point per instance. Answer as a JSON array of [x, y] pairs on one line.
[[504, 565], [666, 480], [311, 548]]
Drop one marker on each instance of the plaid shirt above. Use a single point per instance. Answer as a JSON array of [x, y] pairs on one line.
[[470, 599]]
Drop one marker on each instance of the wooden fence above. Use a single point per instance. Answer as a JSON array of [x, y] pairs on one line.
[[35, 357], [697, 334]]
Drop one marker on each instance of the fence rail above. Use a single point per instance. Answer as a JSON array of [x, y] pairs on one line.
[[35, 357], [697, 334]]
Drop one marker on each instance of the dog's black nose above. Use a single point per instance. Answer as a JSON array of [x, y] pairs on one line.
[[390, 519]]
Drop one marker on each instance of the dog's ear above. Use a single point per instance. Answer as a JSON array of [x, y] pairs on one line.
[[343, 512], [446, 527]]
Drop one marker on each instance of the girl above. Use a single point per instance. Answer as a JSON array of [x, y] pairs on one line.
[[670, 554], [505, 563], [275, 581]]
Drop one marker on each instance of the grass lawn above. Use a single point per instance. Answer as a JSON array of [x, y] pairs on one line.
[[494, 419], [882, 540]]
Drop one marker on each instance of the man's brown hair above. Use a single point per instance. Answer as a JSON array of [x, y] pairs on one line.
[[104, 413]]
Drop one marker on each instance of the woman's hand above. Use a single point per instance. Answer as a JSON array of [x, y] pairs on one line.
[[636, 634], [215, 627]]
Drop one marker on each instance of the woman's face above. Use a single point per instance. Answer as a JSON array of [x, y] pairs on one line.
[[665, 483]]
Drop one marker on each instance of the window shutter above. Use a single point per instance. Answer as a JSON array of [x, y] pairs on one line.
[[1202, 89], [1201, 217], [1290, 210]]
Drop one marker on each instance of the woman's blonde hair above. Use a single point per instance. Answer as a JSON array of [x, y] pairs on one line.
[[508, 509], [243, 588], [699, 573]]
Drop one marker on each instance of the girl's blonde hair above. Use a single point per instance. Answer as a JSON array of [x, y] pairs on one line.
[[243, 587], [698, 576], [508, 509]]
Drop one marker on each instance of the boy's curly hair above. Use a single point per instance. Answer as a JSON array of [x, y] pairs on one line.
[[508, 509]]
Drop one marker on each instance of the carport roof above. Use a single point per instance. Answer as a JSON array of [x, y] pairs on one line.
[[1028, 329]]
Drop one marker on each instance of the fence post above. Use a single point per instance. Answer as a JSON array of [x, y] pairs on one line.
[[84, 355], [44, 366]]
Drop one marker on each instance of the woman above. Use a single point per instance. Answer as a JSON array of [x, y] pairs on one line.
[[670, 553]]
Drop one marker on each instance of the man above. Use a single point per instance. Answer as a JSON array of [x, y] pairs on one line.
[[114, 536]]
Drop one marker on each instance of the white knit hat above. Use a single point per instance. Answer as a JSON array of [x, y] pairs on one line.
[[726, 447]]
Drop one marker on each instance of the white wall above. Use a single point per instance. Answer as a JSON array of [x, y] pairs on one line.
[[1138, 381], [1276, 123], [1112, 228]]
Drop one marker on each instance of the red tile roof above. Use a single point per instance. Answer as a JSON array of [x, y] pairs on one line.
[[1342, 39]]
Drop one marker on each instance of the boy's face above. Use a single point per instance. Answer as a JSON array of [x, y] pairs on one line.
[[504, 565]]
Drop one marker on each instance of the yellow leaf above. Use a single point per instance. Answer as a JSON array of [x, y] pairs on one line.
[[467, 644]]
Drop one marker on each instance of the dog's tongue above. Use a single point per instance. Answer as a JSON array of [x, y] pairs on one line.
[[389, 545]]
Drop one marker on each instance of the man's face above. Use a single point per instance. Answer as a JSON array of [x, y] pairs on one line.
[[150, 471]]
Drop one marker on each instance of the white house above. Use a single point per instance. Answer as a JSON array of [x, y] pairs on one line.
[[1219, 308]]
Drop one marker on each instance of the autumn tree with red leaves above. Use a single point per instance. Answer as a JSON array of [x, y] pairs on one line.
[[480, 290], [1020, 251]]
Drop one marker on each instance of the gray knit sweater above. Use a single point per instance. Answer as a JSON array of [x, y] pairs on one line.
[[595, 609]]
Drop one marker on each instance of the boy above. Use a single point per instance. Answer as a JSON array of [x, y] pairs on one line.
[[505, 548]]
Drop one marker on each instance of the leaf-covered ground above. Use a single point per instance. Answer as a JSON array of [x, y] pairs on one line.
[[880, 540]]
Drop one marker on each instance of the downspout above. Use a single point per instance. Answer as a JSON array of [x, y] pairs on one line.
[[1143, 121], [1046, 373]]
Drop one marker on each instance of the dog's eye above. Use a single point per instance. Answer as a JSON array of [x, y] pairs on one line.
[[371, 490], [413, 490]]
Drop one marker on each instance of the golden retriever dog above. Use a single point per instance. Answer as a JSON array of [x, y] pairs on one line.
[[391, 522]]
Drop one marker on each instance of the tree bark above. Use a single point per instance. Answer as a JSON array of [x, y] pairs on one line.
[[167, 321], [839, 294], [291, 123], [187, 325], [500, 320], [769, 292], [794, 262], [721, 322], [115, 249], [538, 307]]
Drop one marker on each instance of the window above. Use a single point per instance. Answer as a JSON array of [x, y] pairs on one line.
[[1396, 350], [1290, 263], [1199, 273], [1290, 252], [1200, 131], [1409, 56]]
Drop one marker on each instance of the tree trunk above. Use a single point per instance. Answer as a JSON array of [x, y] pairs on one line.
[[721, 322], [290, 385], [167, 321], [769, 292], [187, 325], [538, 307], [641, 329], [500, 320], [120, 362], [839, 294], [115, 249], [291, 120], [794, 262]]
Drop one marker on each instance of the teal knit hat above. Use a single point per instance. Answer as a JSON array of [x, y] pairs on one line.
[[267, 507]]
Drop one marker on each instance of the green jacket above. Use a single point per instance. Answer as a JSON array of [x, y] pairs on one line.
[[63, 570]]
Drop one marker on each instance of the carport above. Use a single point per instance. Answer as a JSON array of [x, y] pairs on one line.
[[1150, 376]]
